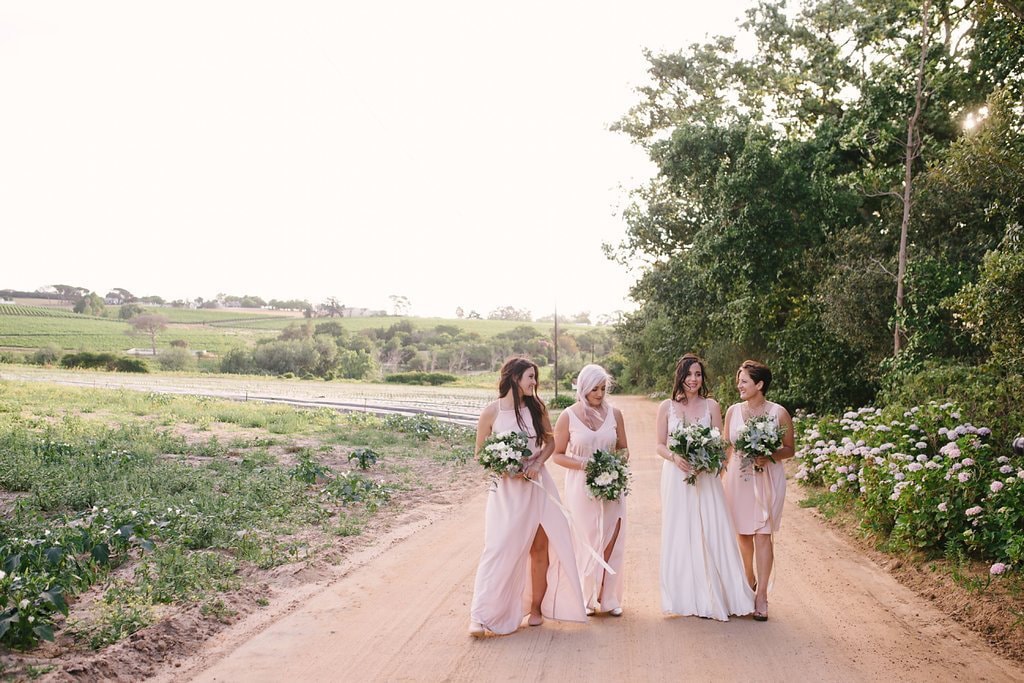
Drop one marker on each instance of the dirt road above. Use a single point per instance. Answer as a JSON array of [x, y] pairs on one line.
[[402, 616]]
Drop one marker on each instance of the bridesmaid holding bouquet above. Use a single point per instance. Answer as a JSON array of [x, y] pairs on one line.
[[527, 566], [755, 479], [584, 428]]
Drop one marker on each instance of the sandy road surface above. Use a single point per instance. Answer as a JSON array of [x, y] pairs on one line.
[[402, 616]]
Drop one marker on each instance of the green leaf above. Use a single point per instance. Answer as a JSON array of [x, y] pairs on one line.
[[5, 622], [54, 555], [44, 631], [101, 553], [55, 597], [12, 563]]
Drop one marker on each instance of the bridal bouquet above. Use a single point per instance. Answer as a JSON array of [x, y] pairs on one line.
[[702, 447], [758, 437], [504, 453], [607, 475]]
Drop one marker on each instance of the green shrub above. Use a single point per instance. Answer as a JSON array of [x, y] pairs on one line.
[[176, 359], [47, 355], [420, 377], [561, 402], [103, 361], [364, 457], [238, 362], [989, 393], [129, 365], [353, 487], [307, 469]]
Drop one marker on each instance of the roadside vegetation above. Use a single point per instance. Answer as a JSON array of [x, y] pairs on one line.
[[119, 508]]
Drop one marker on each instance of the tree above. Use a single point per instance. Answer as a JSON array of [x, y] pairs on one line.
[[290, 304], [772, 227], [582, 318], [510, 313], [119, 295], [913, 151], [150, 325], [129, 311], [89, 304], [70, 293], [400, 304], [331, 307], [459, 313]]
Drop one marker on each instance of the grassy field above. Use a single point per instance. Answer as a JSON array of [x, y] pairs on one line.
[[120, 509], [86, 333], [217, 331]]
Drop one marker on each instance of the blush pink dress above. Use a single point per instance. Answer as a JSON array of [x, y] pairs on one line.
[[701, 568], [755, 498], [595, 519], [515, 508]]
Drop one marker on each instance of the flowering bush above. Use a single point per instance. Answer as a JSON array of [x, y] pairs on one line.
[[923, 477]]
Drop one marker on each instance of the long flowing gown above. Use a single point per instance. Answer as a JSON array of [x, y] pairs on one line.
[[515, 508], [701, 569], [755, 498], [595, 520]]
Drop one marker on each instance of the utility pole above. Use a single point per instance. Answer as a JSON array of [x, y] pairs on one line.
[[556, 351]]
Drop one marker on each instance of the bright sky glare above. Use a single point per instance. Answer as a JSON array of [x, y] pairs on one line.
[[454, 152]]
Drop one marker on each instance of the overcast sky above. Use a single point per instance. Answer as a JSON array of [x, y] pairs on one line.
[[456, 153]]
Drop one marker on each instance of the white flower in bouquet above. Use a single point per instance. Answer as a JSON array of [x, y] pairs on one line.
[[702, 447], [504, 453], [607, 475], [759, 436]]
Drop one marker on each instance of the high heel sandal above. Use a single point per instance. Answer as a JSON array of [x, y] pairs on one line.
[[535, 620], [761, 614]]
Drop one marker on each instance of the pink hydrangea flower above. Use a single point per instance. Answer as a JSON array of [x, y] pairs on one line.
[[943, 507], [997, 569], [996, 486], [963, 476], [971, 512]]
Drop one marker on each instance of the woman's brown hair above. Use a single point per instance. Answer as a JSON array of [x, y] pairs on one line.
[[682, 370], [508, 381], [758, 372]]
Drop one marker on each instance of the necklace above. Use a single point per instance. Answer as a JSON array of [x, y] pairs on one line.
[[748, 413]]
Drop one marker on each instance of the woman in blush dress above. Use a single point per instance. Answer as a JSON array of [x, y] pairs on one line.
[[586, 426], [756, 490], [528, 566], [701, 570]]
